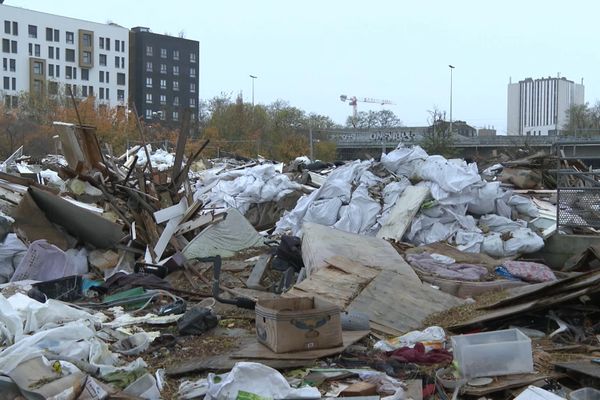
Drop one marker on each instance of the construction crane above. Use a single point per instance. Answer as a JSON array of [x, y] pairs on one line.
[[353, 101]]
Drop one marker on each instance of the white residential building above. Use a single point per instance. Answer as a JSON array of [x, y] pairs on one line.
[[539, 107], [45, 54]]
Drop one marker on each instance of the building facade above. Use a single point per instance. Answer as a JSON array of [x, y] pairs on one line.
[[46, 54], [486, 132], [164, 76], [538, 107]]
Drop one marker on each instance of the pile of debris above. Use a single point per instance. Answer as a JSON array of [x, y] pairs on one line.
[[408, 278]]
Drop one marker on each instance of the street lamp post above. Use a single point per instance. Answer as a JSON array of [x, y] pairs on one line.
[[253, 79], [451, 68]]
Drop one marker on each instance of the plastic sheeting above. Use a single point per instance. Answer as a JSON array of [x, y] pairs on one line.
[[429, 264], [241, 188], [12, 252], [161, 159], [360, 214]]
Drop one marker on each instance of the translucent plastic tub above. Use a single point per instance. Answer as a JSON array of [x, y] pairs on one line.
[[495, 353], [586, 393]]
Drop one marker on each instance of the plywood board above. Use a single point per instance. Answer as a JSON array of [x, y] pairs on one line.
[[391, 301], [506, 382], [257, 350], [320, 243], [403, 212], [585, 367]]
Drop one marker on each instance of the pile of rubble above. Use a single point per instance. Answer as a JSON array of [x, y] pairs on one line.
[[406, 278]]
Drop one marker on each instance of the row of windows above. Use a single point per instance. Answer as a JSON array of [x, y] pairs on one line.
[[175, 54], [104, 43], [7, 83], [162, 115], [86, 91], [11, 101], [175, 85], [163, 100], [15, 28], [163, 69], [9, 64], [9, 46]]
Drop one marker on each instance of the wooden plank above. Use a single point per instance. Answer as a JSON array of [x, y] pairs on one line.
[[91, 147], [191, 210], [391, 301], [257, 350], [584, 367], [169, 213], [199, 222], [403, 212], [70, 145], [258, 272], [507, 382], [181, 140], [166, 235]]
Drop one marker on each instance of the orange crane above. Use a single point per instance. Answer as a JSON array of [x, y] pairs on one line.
[[353, 101]]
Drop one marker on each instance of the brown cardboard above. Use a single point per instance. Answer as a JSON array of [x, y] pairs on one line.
[[298, 324]]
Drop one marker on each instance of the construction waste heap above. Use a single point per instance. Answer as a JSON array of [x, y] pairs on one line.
[[154, 275]]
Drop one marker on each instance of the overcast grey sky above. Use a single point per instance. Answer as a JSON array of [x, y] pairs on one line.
[[309, 52]]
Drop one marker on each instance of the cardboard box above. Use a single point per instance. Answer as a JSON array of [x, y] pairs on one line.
[[298, 324]]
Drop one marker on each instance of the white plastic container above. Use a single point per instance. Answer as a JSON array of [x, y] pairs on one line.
[[586, 393], [495, 353]]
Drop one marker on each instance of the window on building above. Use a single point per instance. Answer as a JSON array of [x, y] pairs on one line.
[[123, 46], [37, 87], [85, 74], [148, 114], [15, 28], [163, 53], [120, 78], [91, 90], [175, 115], [148, 66], [86, 40], [49, 34], [192, 72], [14, 83], [162, 115], [149, 51], [6, 83], [53, 87], [5, 46], [37, 50], [163, 83], [117, 62], [163, 68], [70, 37], [192, 88], [175, 69], [117, 45], [51, 52], [56, 35], [13, 46], [122, 62], [31, 49], [163, 99], [84, 91], [149, 98], [107, 48], [193, 58], [87, 57], [69, 72], [38, 68], [193, 115], [57, 70], [101, 76], [120, 95], [5, 64], [70, 55], [176, 55], [176, 101], [193, 102], [103, 60], [74, 73], [107, 77], [101, 93], [50, 69], [32, 31], [101, 42], [57, 53], [176, 85], [13, 65], [107, 94], [148, 82], [7, 27]]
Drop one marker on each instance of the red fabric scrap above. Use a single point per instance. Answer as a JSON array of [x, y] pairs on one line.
[[418, 355]]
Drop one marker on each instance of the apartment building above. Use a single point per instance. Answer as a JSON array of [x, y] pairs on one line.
[[538, 107], [46, 54], [164, 76]]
